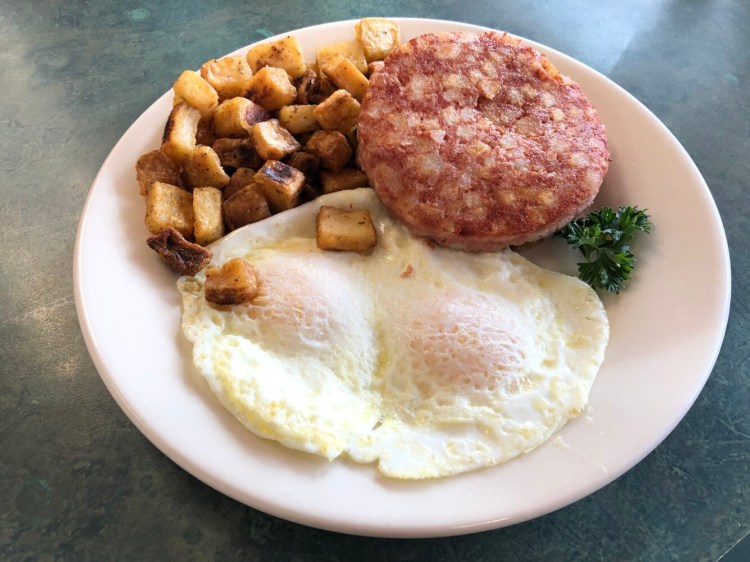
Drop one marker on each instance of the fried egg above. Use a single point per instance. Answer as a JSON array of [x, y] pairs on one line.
[[426, 361]]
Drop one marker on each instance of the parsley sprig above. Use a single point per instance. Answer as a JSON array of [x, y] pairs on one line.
[[604, 237]]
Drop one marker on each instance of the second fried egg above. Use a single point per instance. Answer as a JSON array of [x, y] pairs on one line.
[[427, 361]]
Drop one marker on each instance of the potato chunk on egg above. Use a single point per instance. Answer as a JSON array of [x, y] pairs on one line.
[[467, 362]]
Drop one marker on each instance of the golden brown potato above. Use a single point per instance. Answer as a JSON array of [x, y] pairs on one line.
[[345, 75], [331, 147], [298, 118], [202, 168], [348, 178], [168, 206], [271, 88], [338, 113], [155, 166], [235, 282], [229, 76], [178, 140], [283, 53], [205, 133], [235, 117], [237, 153], [208, 222], [239, 179], [196, 92], [272, 141], [305, 162], [378, 36], [247, 206], [350, 49], [344, 230], [281, 185]]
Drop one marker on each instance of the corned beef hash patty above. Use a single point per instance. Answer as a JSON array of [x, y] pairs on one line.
[[477, 142]]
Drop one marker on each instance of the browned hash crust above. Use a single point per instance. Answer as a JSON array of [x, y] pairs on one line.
[[477, 142]]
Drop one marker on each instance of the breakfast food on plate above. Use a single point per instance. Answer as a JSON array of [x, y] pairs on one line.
[[425, 360], [254, 135], [322, 322], [477, 142]]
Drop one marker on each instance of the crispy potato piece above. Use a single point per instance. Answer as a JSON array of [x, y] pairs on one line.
[[208, 222], [229, 76], [235, 282], [205, 133], [237, 153], [272, 141], [338, 113], [331, 147], [344, 230], [271, 88], [247, 206], [155, 166], [378, 36], [345, 75], [239, 179], [306, 86], [281, 185], [196, 92], [168, 206], [348, 178], [178, 140], [298, 118], [185, 257], [283, 53], [202, 168], [305, 162], [350, 49], [235, 117]]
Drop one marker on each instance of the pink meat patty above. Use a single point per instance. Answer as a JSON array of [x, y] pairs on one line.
[[477, 142]]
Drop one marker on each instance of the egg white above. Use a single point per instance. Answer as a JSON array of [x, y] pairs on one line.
[[426, 360]]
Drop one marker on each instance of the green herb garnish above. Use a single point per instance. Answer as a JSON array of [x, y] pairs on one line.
[[604, 238]]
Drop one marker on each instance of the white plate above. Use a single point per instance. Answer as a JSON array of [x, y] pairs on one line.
[[667, 329]]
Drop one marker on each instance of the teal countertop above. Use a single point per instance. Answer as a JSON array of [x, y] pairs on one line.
[[77, 479]]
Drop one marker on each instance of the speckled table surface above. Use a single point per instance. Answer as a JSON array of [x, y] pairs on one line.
[[77, 479]]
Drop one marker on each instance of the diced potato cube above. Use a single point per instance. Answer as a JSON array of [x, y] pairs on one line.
[[272, 141], [378, 36], [272, 88], [339, 112], [305, 162], [169, 206], [205, 133], [344, 74], [236, 116], [350, 49], [298, 118], [203, 169], [344, 230], [331, 147], [348, 178], [179, 132], [235, 282], [281, 184], [208, 223], [283, 53], [239, 179], [196, 92], [229, 76], [155, 166], [237, 153], [247, 206]]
